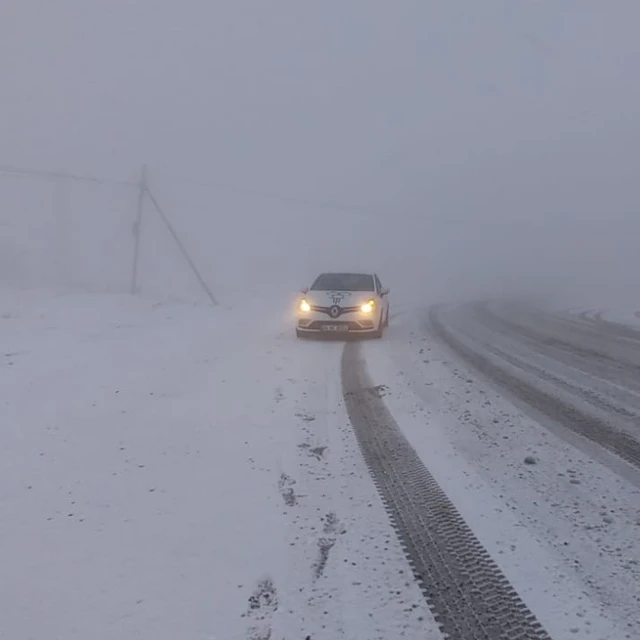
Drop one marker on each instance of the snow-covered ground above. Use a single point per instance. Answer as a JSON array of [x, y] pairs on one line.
[[624, 311], [629, 315], [160, 464], [176, 471], [565, 531]]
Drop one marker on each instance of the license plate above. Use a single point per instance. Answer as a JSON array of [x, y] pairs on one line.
[[335, 327]]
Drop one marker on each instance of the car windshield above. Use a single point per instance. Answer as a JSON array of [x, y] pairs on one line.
[[343, 282]]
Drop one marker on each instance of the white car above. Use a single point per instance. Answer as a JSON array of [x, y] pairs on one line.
[[344, 303]]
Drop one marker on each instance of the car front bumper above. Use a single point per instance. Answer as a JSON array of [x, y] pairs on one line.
[[347, 324]]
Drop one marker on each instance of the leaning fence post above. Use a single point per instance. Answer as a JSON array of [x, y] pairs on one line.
[[183, 249]]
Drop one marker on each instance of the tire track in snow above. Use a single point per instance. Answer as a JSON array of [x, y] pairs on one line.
[[468, 594], [580, 422]]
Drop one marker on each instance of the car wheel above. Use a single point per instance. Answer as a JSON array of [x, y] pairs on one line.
[[376, 335], [386, 319]]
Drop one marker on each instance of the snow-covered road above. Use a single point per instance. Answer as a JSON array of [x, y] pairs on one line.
[[557, 511], [169, 471]]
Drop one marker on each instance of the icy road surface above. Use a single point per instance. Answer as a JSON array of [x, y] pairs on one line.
[[169, 471]]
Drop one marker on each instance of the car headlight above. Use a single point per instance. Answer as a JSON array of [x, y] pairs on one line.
[[304, 306], [368, 307]]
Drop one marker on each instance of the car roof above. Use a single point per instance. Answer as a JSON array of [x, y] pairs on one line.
[[347, 273]]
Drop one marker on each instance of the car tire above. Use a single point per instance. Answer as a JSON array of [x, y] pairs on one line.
[[299, 334], [386, 319], [376, 335]]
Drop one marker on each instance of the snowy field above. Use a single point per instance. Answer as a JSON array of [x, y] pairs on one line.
[[173, 471], [161, 464], [624, 315]]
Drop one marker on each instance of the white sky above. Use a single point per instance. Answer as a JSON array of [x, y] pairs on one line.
[[501, 109], [316, 97]]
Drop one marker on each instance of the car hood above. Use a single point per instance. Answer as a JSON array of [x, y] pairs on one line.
[[341, 298]]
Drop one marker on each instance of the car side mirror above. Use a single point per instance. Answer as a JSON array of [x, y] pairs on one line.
[[305, 290], [384, 291]]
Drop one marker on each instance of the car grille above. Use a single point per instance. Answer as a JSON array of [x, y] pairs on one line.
[[327, 310]]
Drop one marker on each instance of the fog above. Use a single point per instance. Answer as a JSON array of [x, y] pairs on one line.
[[459, 149]]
